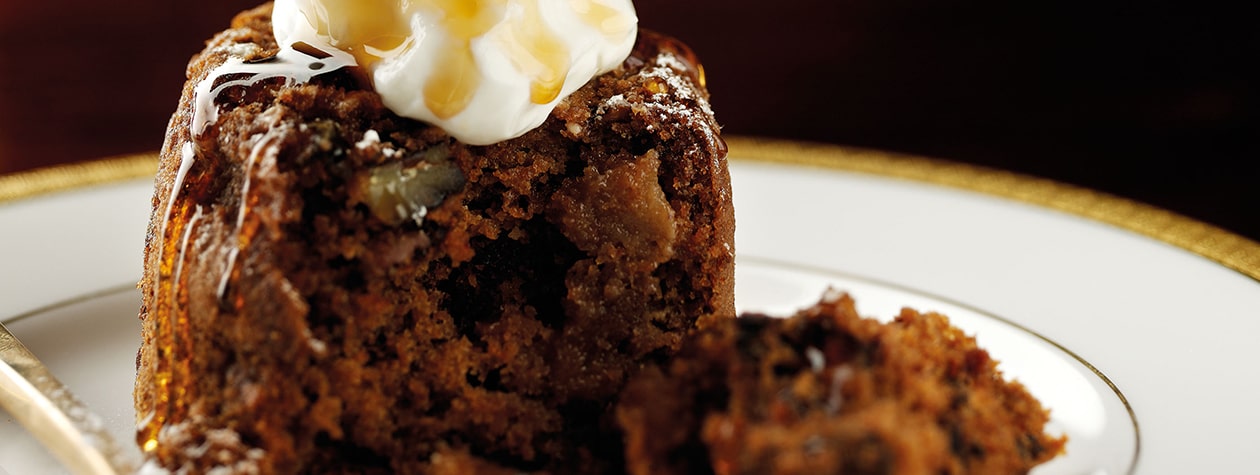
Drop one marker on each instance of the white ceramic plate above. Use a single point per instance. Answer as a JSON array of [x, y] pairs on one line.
[[1141, 348]]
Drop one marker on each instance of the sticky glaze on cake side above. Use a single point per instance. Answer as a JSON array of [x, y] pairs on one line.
[[330, 288]]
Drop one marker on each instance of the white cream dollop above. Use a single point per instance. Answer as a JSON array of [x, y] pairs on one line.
[[483, 70]]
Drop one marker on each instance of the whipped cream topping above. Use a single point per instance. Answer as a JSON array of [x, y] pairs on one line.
[[484, 71]]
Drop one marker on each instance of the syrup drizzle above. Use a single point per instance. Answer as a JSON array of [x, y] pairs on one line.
[[537, 52], [606, 19], [169, 270], [181, 336], [366, 30], [263, 145], [455, 78], [296, 63]]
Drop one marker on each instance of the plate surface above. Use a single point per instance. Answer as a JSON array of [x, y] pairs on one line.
[[1170, 329]]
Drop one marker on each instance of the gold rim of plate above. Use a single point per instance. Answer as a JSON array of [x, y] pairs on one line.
[[1219, 245]]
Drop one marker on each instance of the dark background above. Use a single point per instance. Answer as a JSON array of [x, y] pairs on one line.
[[1152, 101]]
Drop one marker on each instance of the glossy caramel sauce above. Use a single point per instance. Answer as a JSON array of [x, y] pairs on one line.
[[456, 79], [187, 205], [171, 373], [362, 28], [606, 19], [537, 52]]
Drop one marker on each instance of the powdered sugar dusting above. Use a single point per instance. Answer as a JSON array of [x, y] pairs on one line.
[[372, 138], [215, 452], [673, 72], [670, 60], [673, 98], [240, 50]]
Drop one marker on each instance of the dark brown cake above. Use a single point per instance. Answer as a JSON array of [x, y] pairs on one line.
[[827, 391], [330, 288]]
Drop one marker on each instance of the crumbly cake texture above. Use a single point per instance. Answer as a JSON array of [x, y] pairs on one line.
[[828, 391], [293, 324]]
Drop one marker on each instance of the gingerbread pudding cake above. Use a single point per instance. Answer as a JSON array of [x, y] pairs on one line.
[[331, 287]]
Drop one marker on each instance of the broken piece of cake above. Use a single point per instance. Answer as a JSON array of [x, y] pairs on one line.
[[828, 391]]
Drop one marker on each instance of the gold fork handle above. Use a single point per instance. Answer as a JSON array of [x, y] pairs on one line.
[[66, 427]]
